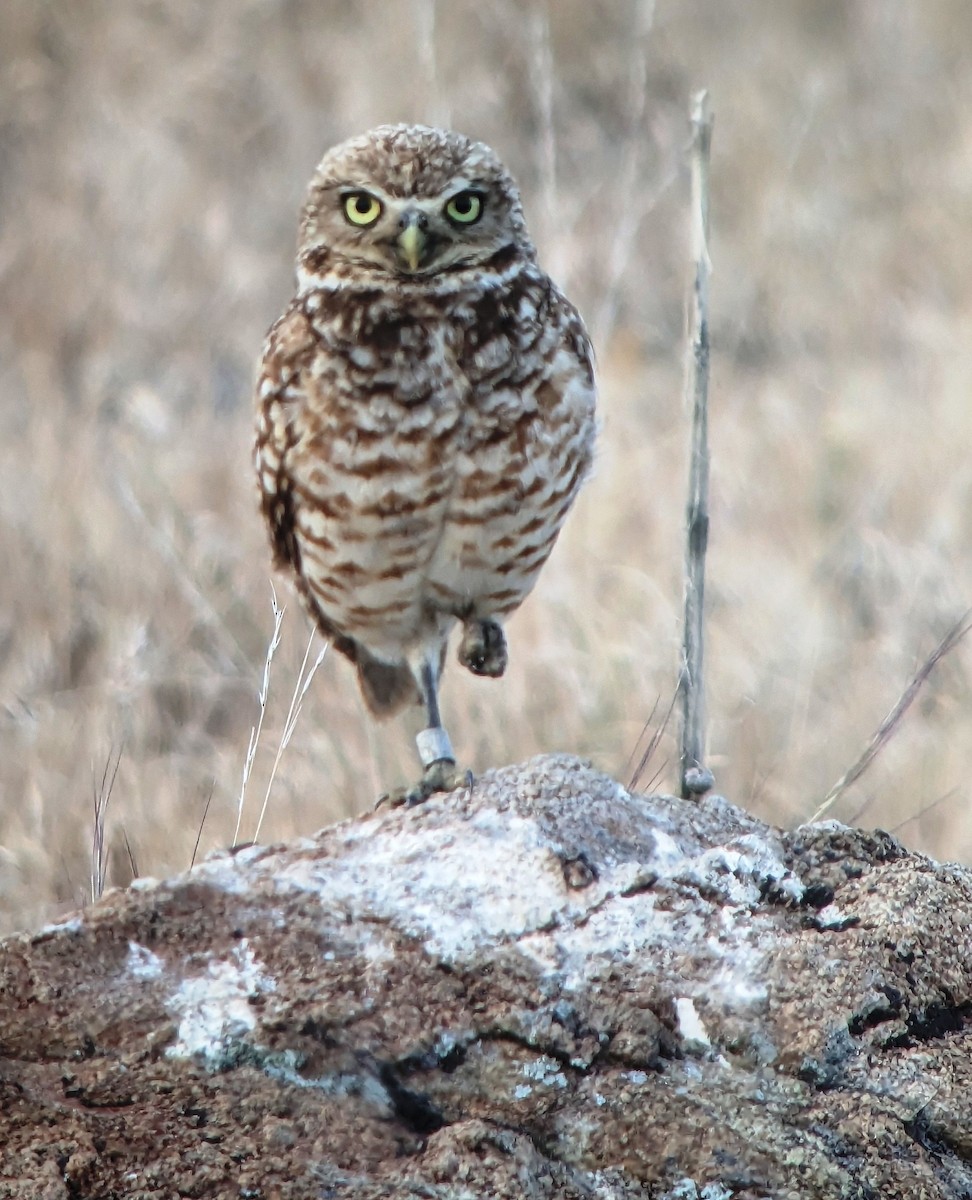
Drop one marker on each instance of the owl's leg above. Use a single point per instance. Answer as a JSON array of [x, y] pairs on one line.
[[483, 647], [434, 746]]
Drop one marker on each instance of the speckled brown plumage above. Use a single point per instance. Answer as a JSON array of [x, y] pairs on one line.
[[425, 410]]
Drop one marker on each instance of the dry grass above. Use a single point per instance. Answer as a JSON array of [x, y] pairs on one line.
[[152, 158]]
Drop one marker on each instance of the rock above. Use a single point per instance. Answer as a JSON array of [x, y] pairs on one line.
[[540, 987]]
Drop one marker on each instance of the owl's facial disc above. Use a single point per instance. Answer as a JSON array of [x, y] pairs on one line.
[[418, 235], [431, 235]]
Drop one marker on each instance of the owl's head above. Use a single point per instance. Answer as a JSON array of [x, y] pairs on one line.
[[410, 201]]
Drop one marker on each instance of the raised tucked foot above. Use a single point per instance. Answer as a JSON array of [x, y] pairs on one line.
[[483, 648], [440, 776]]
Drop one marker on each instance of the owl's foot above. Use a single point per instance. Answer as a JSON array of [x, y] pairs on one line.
[[440, 776], [483, 648]]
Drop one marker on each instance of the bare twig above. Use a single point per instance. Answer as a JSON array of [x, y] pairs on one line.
[[890, 723], [695, 777]]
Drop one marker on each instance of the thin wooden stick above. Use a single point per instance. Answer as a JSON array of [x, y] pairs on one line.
[[696, 777]]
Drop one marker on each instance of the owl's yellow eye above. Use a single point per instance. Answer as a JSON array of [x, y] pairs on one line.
[[465, 208], [361, 208]]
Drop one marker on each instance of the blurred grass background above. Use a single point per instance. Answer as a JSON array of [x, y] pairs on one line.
[[153, 156]]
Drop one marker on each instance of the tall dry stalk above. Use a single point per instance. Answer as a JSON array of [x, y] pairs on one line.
[[695, 776], [885, 731], [99, 845], [301, 685], [435, 102], [542, 80], [635, 197], [304, 679], [263, 695]]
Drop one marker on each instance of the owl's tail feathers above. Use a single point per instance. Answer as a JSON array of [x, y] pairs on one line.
[[387, 687]]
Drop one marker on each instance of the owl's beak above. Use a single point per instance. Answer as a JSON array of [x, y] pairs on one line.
[[412, 237]]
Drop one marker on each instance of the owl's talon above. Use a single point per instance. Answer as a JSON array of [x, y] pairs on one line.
[[440, 776], [483, 648]]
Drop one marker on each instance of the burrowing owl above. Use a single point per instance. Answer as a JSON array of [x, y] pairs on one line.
[[425, 416]]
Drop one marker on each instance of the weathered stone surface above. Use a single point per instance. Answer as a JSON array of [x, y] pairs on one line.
[[544, 987]]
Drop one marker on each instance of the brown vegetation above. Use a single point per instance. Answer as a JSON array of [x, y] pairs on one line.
[[152, 159]]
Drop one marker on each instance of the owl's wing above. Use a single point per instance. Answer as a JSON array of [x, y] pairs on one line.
[[289, 347], [285, 376]]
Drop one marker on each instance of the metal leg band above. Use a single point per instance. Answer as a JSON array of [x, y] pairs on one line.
[[434, 746]]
